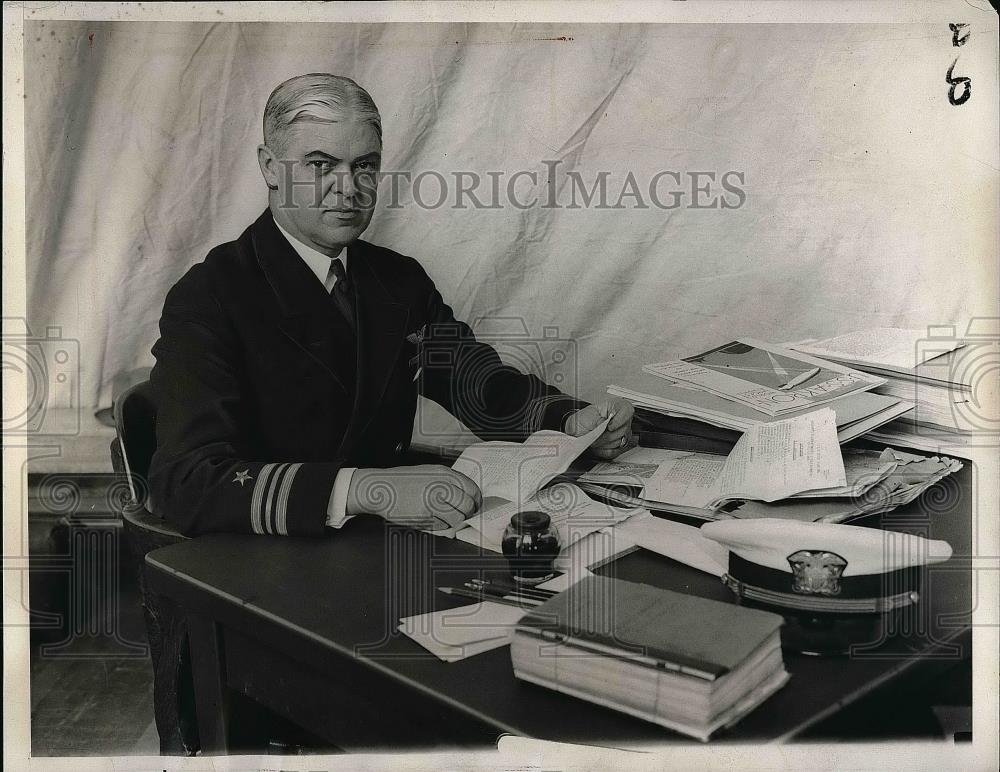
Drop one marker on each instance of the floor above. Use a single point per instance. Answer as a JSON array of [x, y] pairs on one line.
[[92, 689], [94, 697]]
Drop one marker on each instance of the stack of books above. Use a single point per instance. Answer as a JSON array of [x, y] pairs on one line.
[[705, 402], [932, 373], [686, 663]]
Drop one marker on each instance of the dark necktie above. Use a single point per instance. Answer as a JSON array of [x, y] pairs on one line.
[[342, 294]]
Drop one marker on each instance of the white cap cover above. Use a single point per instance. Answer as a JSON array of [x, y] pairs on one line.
[[770, 541]]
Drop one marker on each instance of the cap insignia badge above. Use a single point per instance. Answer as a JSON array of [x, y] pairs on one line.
[[816, 572]]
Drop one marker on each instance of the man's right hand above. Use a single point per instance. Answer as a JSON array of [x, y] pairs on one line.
[[429, 496]]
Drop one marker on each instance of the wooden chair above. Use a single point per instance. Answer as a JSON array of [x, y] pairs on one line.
[[166, 630], [256, 729]]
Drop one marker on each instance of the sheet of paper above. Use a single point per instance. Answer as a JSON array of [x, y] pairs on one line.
[[596, 549], [863, 469], [633, 467], [454, 634], [574, 515], [773, 461], [882, 346], [803, 510], [911, 476], [797, 456], [683, 543], [516, 472], [588, 554], [688, 481], [903, 432], [485, 529], [903, 457]]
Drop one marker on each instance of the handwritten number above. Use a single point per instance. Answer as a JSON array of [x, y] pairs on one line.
[[963, 97], [959, 34]]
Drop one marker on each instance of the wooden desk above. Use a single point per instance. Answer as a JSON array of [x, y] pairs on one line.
[[307, 628]]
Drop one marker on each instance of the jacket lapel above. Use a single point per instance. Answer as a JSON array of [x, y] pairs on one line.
[[382, 324], [381, 320], [300, 297]]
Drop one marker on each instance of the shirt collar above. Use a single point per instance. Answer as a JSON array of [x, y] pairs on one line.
[[318, 263]]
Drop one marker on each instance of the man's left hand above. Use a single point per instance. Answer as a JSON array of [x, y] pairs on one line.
[[616, 438]]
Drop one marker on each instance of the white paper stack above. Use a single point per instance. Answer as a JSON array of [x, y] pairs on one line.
[[934, 372], [911, 475], [857, 413], [875, 481], [454, 634]]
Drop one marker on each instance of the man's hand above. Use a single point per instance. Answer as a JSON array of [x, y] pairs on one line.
[[616, 438], [430, 496]]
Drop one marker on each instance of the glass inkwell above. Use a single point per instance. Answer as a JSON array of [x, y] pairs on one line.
[[531, 545]]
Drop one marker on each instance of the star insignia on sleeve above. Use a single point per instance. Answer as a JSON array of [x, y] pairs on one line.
[[242, 477]]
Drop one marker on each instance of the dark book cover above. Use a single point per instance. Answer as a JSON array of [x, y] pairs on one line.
[[653, 626]]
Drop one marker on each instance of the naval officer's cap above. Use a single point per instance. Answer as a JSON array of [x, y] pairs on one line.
[[834, 583]]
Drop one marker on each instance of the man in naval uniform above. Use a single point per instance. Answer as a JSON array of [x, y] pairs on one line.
[[289, 360]]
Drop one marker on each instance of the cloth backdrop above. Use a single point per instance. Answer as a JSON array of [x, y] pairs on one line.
[[870, 200]]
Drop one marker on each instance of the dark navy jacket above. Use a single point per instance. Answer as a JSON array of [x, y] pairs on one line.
[[263, 391]]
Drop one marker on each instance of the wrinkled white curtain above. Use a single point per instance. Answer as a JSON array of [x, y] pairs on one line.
[[870, 200]]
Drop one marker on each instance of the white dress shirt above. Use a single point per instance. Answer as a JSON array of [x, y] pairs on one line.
[[320, 264]]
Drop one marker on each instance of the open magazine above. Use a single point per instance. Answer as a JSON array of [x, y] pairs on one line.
[[768, 378]]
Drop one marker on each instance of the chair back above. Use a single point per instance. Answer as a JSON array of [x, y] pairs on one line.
[[166, 627], [131, 454], [135, 426]]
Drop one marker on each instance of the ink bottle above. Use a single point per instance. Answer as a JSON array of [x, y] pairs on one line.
[[531, 544]]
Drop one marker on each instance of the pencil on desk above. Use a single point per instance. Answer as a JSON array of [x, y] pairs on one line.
[[480, 585], [509, 600], [507, 585]]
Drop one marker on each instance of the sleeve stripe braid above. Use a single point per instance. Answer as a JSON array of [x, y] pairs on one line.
[[258, 495], [272, 489], [281, 524]]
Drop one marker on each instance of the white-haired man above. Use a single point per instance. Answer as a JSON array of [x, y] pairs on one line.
[[289, 360]]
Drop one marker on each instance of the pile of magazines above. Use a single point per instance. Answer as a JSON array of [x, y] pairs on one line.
[[696, 413]]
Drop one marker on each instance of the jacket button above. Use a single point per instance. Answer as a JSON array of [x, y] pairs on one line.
[[399, 448]]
